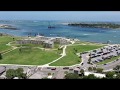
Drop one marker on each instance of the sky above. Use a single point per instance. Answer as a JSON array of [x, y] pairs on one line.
[[61, 15]]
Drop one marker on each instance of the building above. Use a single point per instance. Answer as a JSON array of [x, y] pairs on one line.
[[47, 42], [99, 75], [2, 70]]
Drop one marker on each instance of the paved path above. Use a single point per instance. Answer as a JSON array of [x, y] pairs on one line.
[[63, 54], [85, 60], [13, 48]]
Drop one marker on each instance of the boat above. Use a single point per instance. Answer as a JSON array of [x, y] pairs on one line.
[[50, 26]]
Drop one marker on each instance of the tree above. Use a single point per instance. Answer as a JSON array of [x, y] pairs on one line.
[[66, 72], [11, 73], [99, 70], [118, 76], [94, 69], [49, 74], [71, 76], [13, 39], [117, 68], [82, 72], [0, 56], [110, 75], [45, 78], [90, 76], [89, 60], [90, 69], [20, 74]]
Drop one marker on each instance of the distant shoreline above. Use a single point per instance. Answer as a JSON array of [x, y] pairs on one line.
[[6, 26], [96, 25]]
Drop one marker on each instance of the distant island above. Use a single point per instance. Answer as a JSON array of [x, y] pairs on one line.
[[96, 25], [5, 26]]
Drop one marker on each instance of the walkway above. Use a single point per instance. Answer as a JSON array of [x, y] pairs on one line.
[[63, 54]]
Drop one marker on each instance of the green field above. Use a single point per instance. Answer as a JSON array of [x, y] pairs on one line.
[[29, 57], [71, 58], [108, 60], [5, 40], [88, 43]]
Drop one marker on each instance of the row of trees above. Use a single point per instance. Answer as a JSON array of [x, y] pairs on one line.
[[94, 69], [109, 75], [77, 76], [96, 25], [11, 73]]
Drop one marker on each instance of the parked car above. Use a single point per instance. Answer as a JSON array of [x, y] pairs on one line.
[[82, 63], [66, 68], [53, 68], [78, 67], [48, 67]]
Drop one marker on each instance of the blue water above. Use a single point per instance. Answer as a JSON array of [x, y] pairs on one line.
[[85, 34]]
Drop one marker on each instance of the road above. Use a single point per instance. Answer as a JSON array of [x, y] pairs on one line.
[[85, 60]]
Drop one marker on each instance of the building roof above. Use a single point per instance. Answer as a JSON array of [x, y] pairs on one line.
[[76, 69], [49, 42], [2, 69], [50, 76]]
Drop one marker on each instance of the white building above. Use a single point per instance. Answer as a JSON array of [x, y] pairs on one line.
[[99, 75]]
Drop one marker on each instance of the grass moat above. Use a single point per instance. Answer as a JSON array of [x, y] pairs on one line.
[[35, 54]]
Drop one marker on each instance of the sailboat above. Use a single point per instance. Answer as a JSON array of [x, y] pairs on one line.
[[50, 26]]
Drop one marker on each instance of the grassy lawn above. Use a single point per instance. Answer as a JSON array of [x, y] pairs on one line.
[[88, 43], [71, 58], [82, 48], [29, 57], [4, 40], [108, 60]]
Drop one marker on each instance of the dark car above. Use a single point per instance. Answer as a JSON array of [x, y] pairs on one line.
[[78, 67], [66, 68], [82, 63], [48, 67], [53, 69], [71, 69]]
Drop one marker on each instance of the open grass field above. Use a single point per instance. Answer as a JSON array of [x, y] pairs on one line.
[[108, 60], [88, 43], [36, 56], [71, 58], [29, 56], [5, 40]]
